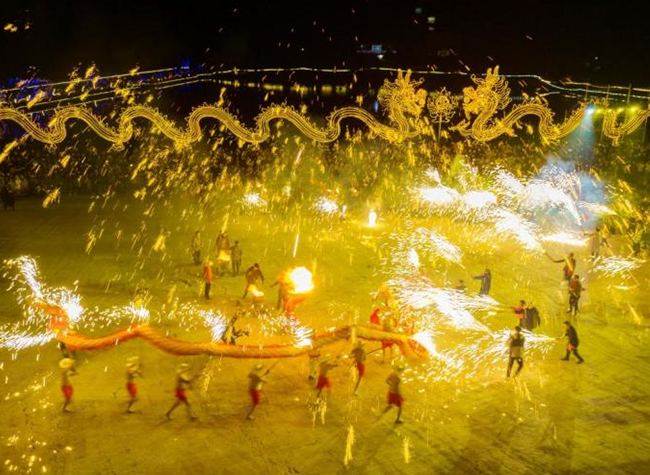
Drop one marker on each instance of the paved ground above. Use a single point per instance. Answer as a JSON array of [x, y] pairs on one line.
[[560, 418]]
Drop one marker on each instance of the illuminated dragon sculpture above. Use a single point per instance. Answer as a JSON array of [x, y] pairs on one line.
[[613, 130], [402, 101], [491, 96]]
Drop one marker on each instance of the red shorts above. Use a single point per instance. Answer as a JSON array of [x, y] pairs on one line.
[[256, 394], [395, 399], [386, 344], [323, 382], [181, 395], [361, 368], [67, 392], [374, 317], [132, 389]]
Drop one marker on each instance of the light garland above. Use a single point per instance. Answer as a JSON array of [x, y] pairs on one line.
[[402, 100]]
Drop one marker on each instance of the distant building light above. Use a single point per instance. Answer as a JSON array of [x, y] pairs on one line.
[[376, 49], [431, 20]]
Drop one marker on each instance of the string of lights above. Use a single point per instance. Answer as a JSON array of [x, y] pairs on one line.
[[402, 99], [569, 88]]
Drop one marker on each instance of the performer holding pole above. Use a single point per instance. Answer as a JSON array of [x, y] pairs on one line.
[[395, 397], [359, 355], [257, 380], [183, 383], [67, 370], [132, 371]]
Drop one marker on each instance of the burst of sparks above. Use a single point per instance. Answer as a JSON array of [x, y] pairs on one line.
[[216, 321], [438, 196], [302, 335], [71, 304], [425, 339], [566, 238], [616, 265], [349, 442], [406, 449], [413, 258], [301, 280], [479, 199], [412, 248], [139, 313], [326, 206], [441, 305], [253, 200], [515, 226], [13, 340], [444, 248]]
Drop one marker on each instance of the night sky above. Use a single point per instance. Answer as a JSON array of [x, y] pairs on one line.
[[556, 39]]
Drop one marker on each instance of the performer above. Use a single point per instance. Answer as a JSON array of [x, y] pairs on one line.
[[231, 333], [207, 277], [196, 248], [253, 276], [572, 342], [486, 282], [323, 380], [255, 385], [515, 350], [395, 397], [222, 243], [374, 317], [388, 326], [132, 371], [384, 294], [520, 311], [597, 240], [575, 290], [461, 287], [67, 370], [284, 286], [236, 256], [569, 266], [359, 355], [183, 383], [314, 354]]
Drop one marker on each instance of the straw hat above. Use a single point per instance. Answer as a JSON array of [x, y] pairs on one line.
[[258, 367], [183, 367], [66, 363], [132, 361]]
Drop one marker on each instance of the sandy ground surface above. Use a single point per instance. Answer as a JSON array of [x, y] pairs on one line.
[[559, 418]]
